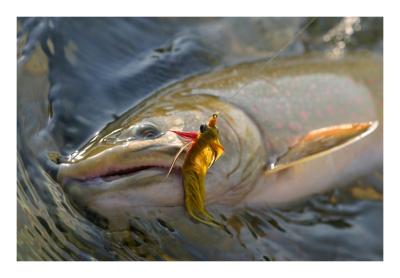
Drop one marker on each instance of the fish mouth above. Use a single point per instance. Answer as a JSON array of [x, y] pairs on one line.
[[115, 174], [125, 160]]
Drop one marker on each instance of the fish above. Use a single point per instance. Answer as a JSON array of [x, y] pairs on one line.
[[290, 128]]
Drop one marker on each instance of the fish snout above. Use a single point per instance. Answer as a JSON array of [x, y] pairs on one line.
[[127, 158]]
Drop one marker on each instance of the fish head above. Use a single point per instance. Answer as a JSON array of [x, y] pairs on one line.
[[124, 166]]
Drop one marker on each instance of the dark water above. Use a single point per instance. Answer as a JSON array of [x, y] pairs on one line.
[[77, 74]]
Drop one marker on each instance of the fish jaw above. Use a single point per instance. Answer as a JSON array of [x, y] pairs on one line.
[[120, 159]]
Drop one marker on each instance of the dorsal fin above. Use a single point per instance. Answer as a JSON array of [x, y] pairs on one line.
[[320, 142]]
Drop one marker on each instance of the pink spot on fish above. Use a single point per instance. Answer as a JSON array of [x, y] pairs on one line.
[[279, 125], [294, 126], [304, 115], [330, 110]]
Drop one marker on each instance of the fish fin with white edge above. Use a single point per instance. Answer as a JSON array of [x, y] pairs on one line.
[[320, 142]]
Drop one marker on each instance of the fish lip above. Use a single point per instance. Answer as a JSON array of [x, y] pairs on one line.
[[121, 161], [115, 174]]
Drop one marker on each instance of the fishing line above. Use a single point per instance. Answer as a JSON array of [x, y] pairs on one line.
[[279, 52], [296, 36]]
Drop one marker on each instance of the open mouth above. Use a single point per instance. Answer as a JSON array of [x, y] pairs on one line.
[[114, 174], [136, 160]]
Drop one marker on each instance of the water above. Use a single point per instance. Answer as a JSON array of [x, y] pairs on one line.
[[77, 74]]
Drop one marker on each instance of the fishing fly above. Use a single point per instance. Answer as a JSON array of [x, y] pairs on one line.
[[204, 148]]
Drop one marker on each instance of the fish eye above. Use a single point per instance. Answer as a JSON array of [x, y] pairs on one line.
[[215, 115], [146, 131], [203, 128]]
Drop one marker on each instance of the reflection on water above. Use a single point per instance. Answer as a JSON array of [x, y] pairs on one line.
[[76, 75]]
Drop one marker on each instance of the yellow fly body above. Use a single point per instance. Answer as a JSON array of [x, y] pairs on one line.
[[205, 149]]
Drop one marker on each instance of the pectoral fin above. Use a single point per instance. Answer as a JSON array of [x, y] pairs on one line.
[[320, 142]]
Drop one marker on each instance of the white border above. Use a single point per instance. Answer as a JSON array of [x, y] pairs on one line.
[[9, 12]]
